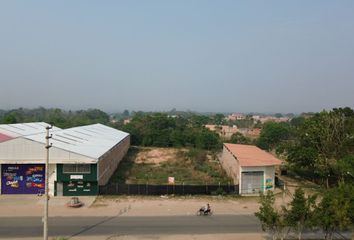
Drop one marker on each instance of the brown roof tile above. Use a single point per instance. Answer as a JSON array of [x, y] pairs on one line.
[[252, 156]]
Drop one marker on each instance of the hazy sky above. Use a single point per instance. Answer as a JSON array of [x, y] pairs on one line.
[[242, 56]]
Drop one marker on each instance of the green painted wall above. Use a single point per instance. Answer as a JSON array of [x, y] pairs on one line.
[[80, 188], [65, 177], [87, 186]]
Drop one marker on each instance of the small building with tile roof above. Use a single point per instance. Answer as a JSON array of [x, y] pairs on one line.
[[250, 167]]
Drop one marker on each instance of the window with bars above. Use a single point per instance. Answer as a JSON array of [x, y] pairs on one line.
[[76, 168]]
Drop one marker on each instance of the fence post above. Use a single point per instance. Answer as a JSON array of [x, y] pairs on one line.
[[206, 188], [183, 187], [147, 186], [138, 189], [128, 189], [117, 188]]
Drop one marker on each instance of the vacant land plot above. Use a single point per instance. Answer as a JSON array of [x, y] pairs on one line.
[[155, 165]]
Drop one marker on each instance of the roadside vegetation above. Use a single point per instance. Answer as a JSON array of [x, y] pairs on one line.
[[330, 212]]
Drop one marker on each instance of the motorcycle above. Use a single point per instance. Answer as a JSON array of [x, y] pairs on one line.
[[201, 212]]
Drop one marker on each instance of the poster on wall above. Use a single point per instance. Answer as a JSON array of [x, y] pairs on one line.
[[22, 178], [269, 183]]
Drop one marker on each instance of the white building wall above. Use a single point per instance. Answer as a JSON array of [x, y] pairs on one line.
[[230, 165], [110, 161], [268, 176], [24, 151], [21, 150], [52, 178]]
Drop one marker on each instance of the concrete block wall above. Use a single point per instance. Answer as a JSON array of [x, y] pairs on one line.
[[109, 162], [230, 165]]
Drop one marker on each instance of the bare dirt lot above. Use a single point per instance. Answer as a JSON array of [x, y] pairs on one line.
[[156, 155], [152, 165]]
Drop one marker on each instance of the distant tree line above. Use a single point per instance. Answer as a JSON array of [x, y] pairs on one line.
[[146, 129], [162, 130], [60, 118]]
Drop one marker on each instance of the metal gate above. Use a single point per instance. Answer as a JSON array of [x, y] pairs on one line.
[[252, 182]]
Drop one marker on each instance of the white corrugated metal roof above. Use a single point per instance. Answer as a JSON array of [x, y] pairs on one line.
[[92, 140], [24, 129]]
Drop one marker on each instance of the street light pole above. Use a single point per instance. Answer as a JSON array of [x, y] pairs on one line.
[[45, 219]]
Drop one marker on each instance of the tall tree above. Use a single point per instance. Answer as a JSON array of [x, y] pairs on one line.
[[334, 211], [300, 215], [267, 214], [239, 138], [322, 145], [272, 134]]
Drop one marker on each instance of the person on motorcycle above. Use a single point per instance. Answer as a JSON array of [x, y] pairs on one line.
[[207, 209]]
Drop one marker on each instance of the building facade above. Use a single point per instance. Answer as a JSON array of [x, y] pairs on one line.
[[250, 167], [80, 160]]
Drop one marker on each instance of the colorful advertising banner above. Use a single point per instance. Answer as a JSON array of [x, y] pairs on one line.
[[269, 183], [22, 178]]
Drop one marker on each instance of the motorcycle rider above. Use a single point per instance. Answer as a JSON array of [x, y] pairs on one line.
[[205, 209]]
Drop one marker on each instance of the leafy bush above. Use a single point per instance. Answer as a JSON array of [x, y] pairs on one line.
[[218, 191]]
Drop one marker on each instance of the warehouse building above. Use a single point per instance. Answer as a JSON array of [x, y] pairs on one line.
[[250, 167], [80, 160]]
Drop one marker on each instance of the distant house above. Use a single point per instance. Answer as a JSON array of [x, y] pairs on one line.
[[250, 167], [126, 121], [250, 132], [236, 116], [273, 119], [224, 131], [253, 132], [256, 118]]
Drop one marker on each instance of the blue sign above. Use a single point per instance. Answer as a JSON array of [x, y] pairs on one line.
[[22, 178]]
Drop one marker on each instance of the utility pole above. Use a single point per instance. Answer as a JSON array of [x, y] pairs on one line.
[[45, 218]]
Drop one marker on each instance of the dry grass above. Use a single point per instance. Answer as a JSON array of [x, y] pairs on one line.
[[155, 165]]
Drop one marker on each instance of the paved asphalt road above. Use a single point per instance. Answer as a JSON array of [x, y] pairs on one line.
[[17, 227]]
